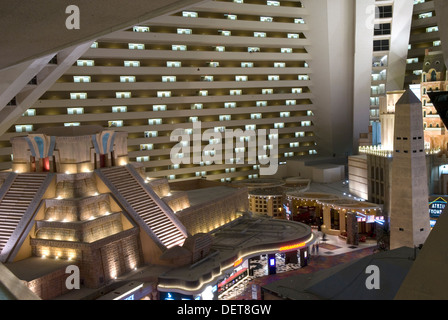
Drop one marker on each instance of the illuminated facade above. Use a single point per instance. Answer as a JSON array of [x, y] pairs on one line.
[[225, 64], [73, 199]]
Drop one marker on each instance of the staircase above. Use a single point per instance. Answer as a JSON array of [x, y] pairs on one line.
[[17, 207], [138, 200]]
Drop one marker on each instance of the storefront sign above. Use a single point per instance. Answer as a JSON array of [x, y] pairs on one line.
[[436, 207]]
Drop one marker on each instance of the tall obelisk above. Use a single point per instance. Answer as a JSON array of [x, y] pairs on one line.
[[409, 216]]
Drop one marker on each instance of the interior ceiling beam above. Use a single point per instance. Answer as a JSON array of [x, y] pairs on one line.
[[38, 28]]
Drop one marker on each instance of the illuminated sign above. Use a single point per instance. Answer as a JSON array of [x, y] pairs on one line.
[[272, 262], [436, 207], [238, 262], [294, 246]]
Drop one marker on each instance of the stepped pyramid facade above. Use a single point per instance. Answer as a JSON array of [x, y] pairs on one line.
[[73, 197]]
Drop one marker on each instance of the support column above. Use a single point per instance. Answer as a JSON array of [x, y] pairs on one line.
[[327, 218], [342, 214], [272, 264], [304, 257], [352, 228]]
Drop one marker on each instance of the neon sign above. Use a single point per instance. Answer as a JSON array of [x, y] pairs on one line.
[[294, 246], [238, 262], [436, 207]]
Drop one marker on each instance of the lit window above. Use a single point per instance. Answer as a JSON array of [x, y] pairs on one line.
[[293, 36], [196, 106], [286, 50], [75, 110], [81, 79], [229, 104], [154, 121], [184, 31], [122, 95], [279, 64], [250, 127], [291, 102], [132, 63], [303, 77], [240, 78], [284, 114], [214, 64], [163, 94], [94, 45], [150, 134], [261, 103], [115, 123], [116, 109], [85, 63], [253, 49], [273, 77], [78, 95], [425, 15], [266, 19], [29, 113], [147, 146], [127, 78], [179, 47], [299, 21], [142, 159], [267, 91], [247, 64], [189, 14], [136, 46], [220, 48], [206, 78], [255, 116], [306, 123], [72, 124], [273, 3], [235, 92], [437, 43], [260, 34], [225, 117], [203, 93], [168, 78], [296, 90], [231, 16], [173, 64], [159, 107], [24, 128], [140, 29], [279, 125]]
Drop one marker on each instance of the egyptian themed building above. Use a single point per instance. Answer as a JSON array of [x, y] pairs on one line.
[[73, 198]]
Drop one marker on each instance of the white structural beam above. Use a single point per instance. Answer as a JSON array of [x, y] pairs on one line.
[[332, 34], [364, 25], [46, 75], [33, 29], [441, 8], [399, 41]]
